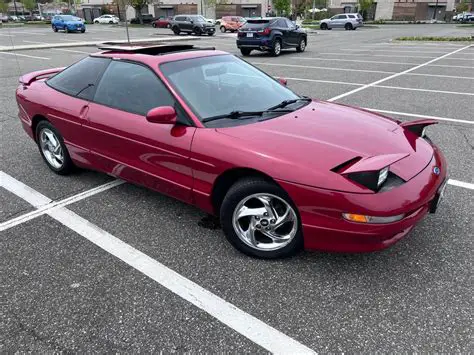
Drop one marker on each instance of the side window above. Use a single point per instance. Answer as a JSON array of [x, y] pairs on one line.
[[290, 24], [351, 16], [179, 18], [81, 78], [281, 23], [341, 17], [235, 19], [132, 88]]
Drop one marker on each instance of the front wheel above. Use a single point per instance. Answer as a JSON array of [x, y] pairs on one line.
[[176, 31], [52, 148], [210, 33], [324, 26], [222, 29], [55, 29], [260, 220], [301, 45], [197, 31], [245, 51], [153, 25], [96, 22], [66, 29], [83, 30]]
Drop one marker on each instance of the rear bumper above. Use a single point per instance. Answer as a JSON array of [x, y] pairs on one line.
[[254, 43], [325, 229]]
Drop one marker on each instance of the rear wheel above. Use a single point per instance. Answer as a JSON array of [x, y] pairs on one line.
[[259, 219], [96, 22], [348, 26], [276, 50], [324, 26], [222, 29], [52, 148], [245, 51], [302, 45]]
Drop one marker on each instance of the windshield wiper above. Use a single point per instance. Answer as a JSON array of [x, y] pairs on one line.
[[285, 103], [239, 114]]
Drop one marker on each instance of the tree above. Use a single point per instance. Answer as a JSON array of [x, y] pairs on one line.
[[3, 6], [365, 6], [462, 6], [282, 6], [137, 5], [29, 5]]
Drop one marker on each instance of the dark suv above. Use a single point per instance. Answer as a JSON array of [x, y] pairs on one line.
[[192, 24], [271, 35]]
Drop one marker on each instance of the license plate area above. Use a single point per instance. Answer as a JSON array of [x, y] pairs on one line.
[[250, 35]]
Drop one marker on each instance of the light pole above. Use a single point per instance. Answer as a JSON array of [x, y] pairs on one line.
[[435, 10]]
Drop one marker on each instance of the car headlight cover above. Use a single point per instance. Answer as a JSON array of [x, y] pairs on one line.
[[360, 218], [383, 174]]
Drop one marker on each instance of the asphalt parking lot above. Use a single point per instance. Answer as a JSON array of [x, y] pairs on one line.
[[91, 264]]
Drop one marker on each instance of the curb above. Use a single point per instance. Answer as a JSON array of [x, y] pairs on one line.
[[92, 43]]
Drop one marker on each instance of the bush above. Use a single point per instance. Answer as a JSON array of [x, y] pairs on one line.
[[437, 39]]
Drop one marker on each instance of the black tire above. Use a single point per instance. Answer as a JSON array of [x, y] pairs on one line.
[[323, 26], [55, 29], [153, 25], [66, 29], [111, 22], [239, 191], [245, 51], [83, 30], [276, 48], [348, 26], [301, 45], [197, 31], [211, 34], [68, 165], [176, 30], [223, 30], [96, 22]]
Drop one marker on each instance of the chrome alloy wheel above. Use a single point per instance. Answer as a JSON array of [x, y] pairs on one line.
[[265, 222], [302, 45], [51, 148], [277, 48]]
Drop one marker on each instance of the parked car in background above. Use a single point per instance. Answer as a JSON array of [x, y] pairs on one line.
[[211, 21], [110, 19], [68, 23], [13, 18], [467, 17], [346, 21], [231, 23], [271, 35], [48, 18], [3, 18], [147, 18], [196, 24], [162, 22]]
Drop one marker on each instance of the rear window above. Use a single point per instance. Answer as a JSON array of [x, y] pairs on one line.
[[80, 78], [351, 16], [254, 24]]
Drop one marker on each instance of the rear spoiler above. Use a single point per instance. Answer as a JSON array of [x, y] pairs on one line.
[[27, 79], [418, 126]]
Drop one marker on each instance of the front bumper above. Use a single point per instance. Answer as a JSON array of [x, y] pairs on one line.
[[325, 229]]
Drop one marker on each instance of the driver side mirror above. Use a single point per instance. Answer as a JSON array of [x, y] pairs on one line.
[[162, 114], [282, 81]]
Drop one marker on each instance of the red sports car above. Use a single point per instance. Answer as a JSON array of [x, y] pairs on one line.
[[162, 22], [281, 171]]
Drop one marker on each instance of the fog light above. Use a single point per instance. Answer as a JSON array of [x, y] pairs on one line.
[[360, 218]]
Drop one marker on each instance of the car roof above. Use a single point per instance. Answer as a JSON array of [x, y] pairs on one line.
[[155, 54]]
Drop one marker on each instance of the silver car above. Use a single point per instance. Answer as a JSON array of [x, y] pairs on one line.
[[346, 21]]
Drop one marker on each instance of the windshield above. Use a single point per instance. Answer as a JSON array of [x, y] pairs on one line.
[[68, 18], [221, 84]]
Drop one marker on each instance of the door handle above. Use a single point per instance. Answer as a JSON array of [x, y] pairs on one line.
[[84, 111]]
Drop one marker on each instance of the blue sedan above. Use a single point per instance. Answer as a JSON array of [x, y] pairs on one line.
[[68, 23]]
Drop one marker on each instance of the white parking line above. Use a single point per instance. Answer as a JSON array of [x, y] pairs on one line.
[[384, 55], [27, 33], [25, 55], [420, 116], [51, 205], [3, 35], [382, 86], [395, 75], [252, 328], [70, 51], [466, 185], [390, 50]]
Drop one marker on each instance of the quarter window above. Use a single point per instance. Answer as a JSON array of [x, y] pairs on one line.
[[351, 16], [132, 88], [81, 78]]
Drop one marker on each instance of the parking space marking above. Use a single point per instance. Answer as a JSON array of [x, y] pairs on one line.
[[252, 328], [325, 68], [389, 50], [458, 183], [28, 33], [385, 55], [49, 206], [420, 116], [3, 35], [383, 86], [395, 75], [25, 55]]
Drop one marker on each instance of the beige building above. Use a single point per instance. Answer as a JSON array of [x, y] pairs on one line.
[[402, 10]]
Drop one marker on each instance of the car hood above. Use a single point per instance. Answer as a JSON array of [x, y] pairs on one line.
[[73, 22], [321, 136]]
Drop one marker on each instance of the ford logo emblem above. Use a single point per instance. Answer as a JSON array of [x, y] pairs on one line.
[[436, 170]]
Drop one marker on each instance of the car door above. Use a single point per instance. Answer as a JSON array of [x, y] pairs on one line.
[[68, 114], [340, 21], [188, 24], [283, 28], [293, 35], [60, 23], [128, 146]]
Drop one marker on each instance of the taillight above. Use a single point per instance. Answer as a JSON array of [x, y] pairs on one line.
[[266, 31]]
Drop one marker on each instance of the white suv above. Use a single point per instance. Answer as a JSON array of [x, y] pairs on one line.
[[107, 19], [346, 21]]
